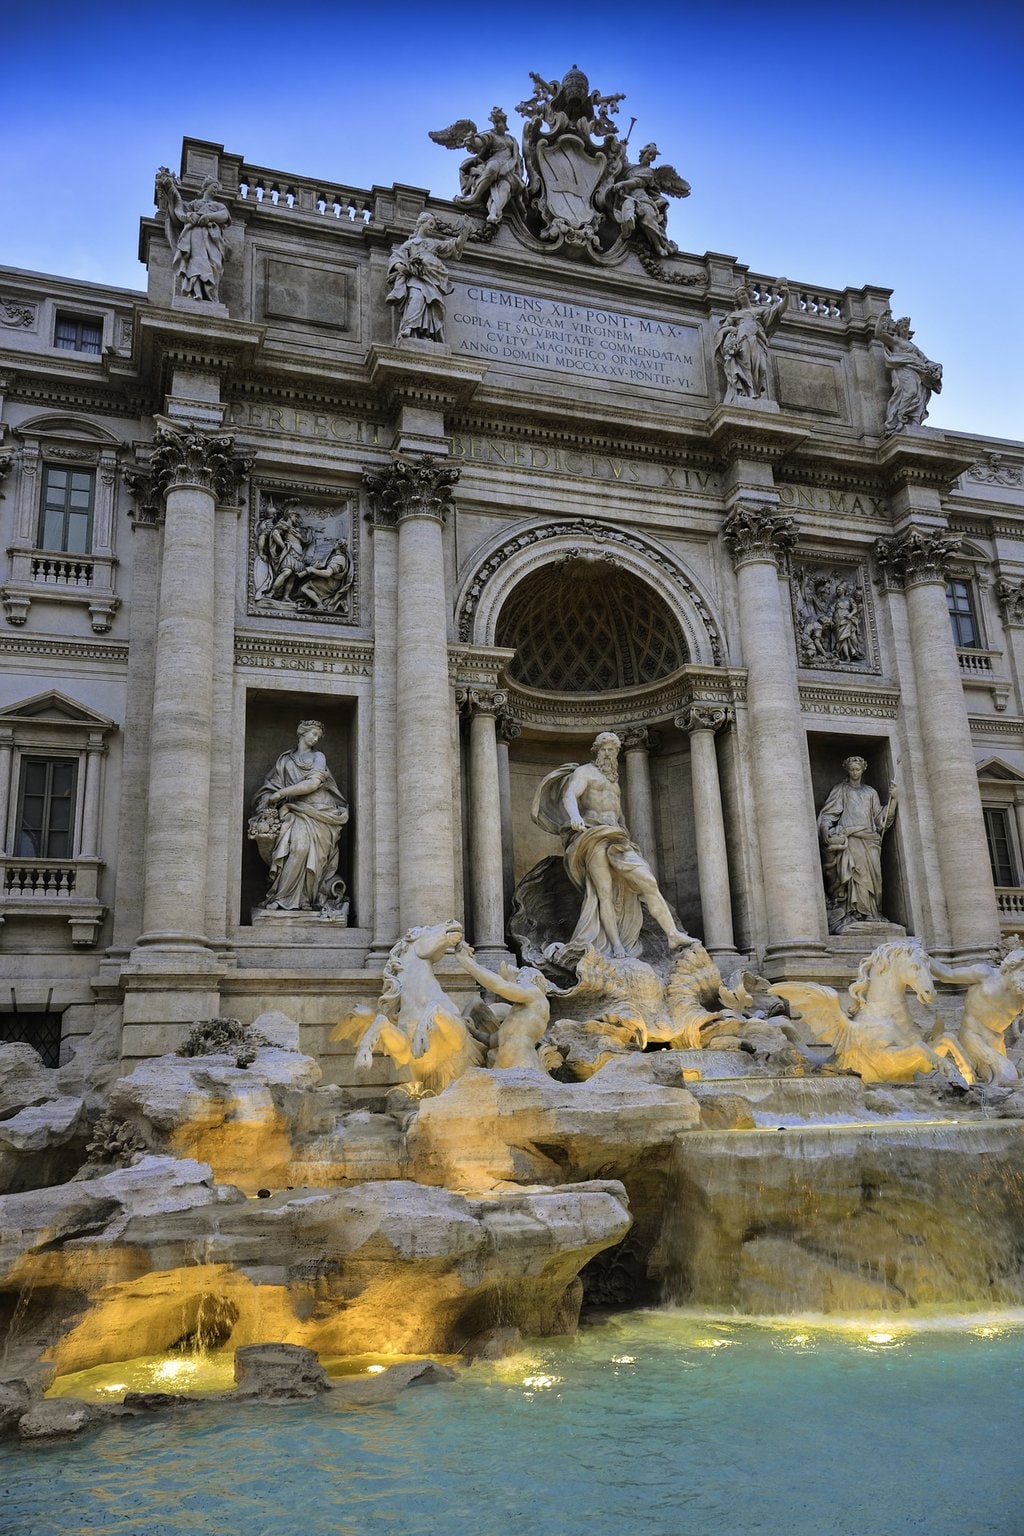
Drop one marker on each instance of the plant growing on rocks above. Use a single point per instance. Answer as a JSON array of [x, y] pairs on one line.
[[223, 1037]]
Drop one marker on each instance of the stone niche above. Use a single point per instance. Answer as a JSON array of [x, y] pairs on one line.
[[827, 753], [675, 854], [271, 719]]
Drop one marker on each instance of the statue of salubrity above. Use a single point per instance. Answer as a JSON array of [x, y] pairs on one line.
[[298, 813]]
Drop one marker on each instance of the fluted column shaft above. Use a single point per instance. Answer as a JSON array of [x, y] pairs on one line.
[[194, 470], [174, 903], [709, 821], [790, 863], [918, 558], [485, 857], [636, 745], [385, 741], [414, 492]]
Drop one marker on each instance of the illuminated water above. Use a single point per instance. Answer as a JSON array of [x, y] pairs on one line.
[[655, 1423]]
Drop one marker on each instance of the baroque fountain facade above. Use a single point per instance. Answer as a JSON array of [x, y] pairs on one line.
[[511, 774]]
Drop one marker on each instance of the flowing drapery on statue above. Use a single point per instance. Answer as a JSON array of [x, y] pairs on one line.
[[580, 803], [297, 816], [850, 825]]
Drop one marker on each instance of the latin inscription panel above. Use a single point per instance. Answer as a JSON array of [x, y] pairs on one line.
[[522, 330]]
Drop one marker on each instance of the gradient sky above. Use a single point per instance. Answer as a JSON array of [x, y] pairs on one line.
[[833, 144]]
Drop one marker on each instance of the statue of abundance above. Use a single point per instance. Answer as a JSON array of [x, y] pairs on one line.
[[580, 803]]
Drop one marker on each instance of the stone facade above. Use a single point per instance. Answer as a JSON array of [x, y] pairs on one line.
[[237, 500]]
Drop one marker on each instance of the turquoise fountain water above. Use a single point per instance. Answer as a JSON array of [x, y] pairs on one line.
[[661, 1422]]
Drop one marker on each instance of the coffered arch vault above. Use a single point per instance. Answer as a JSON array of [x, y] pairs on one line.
[[632, 563]]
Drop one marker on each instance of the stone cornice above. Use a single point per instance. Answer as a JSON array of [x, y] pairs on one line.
[[28, 645], [767, 436], [300, 653], [424, 372], [194, 340], [849, 699], [656, 703], [922, 457]]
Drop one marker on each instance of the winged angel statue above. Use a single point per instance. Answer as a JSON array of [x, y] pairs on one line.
[[638, 198], [493, 175]]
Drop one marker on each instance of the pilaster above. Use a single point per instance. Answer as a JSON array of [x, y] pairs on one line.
[[486, 879], [702, 721]]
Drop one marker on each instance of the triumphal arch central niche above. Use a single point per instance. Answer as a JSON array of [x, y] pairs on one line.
[[439, 494]]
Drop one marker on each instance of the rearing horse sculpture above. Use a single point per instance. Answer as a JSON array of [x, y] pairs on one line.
[[416, 1023], [875, 1036]]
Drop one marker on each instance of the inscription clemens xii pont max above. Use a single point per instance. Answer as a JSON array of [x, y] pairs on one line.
[[521, 328]]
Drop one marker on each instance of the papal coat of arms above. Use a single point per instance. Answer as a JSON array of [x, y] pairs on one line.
[[573, 185]]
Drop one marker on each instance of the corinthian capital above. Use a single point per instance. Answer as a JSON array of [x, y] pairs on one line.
[[417, 485], [916, 555], [755, 532], [1010, 595], [189, 456], [704, 717]]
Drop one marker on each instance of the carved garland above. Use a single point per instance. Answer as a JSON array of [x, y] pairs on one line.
[[586, 529]]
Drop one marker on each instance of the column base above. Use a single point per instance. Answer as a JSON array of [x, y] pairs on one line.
[[730, 960], [798, 960], [170, 983]]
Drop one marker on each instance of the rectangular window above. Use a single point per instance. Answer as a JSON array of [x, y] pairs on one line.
[[961, 614], [46, 808], [1000, 848], [40, 1030], [65, 522], [78, 333]]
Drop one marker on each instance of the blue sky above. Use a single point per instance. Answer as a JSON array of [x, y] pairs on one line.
[[833, 144]]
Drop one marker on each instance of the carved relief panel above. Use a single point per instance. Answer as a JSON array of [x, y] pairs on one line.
[[832, 617], [303, 553]]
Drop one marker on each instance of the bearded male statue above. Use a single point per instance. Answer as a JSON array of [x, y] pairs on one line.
[[580, 803]]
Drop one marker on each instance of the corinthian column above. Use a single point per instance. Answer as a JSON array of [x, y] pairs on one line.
[[486, 881], [415, 494], [637, 743], [702, 721], [760, 540], [916, 559], [192, 470]]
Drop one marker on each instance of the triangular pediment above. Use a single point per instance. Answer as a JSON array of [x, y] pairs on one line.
[[995, 768], [55, 708]]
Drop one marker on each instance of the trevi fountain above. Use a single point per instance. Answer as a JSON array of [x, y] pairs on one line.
[[408, 1164]]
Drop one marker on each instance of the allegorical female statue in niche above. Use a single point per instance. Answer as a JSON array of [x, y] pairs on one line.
[[297, 816], [850, 825]]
